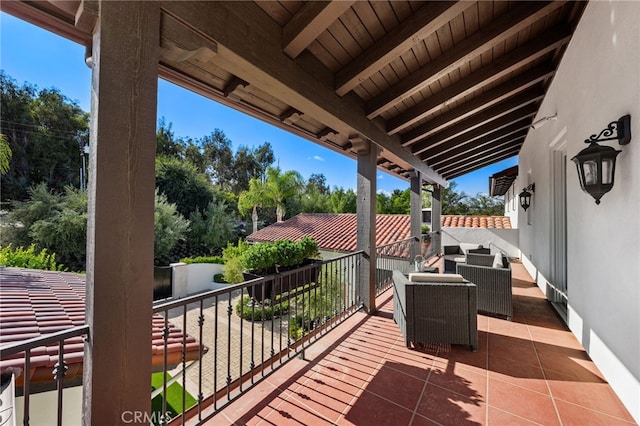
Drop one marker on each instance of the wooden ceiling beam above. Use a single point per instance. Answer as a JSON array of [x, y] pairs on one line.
[[462, 150], [311, 21], [509, 24], [424, 22], [475, 105], [433, 143], [504, 66], [468, 168], [510, 129], [263, 63], [486, 116], [481, 152]]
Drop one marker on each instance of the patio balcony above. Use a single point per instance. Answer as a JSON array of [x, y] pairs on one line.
[[530, 370]]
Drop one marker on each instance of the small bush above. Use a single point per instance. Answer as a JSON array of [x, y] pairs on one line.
[[219, 278], [425, 229], [203, 259], [28, 258], [253, 311]]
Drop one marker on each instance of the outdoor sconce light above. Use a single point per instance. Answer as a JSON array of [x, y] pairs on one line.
[[525, 196], [596, 163]]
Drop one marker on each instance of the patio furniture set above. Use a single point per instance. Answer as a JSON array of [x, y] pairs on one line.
[[433, 308]]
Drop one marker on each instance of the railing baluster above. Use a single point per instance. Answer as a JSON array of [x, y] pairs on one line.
[[241, 334], [200, 333], [215, 357], [184, 362], [59, 371], [229, 312], [27, 382], [253, 333], [165, 338]]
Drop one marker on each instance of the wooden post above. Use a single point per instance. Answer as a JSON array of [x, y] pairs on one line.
[[120, 231], [416, 212], [436, 226], [366, 217]]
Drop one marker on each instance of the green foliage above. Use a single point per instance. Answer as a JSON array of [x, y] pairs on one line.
[[399, 202], [219, 278], [28, 258], [425, 229], [44, 130], [169, 227], [269, 257], [5, 154], [232, 260], [250, 310], [281, 186], [213, 228], [203, 259], [342, 201], [183, 185]]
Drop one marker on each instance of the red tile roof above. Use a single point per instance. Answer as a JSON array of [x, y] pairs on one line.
[[497, 222], [338, 231], [34, 303]]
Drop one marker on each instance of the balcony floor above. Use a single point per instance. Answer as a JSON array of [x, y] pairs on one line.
[[528, 371]]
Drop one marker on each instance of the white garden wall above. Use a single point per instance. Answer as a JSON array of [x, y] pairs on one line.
[[597, 82], [504, 240], [194, 278]]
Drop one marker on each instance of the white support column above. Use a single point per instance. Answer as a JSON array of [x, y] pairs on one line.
[[416, 211], [120, 231], [436, 223], [366, 214]]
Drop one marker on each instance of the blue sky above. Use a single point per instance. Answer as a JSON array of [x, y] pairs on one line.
[[30, 54]]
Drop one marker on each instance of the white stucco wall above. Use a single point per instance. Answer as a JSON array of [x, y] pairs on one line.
[[597, 82], [504, 240], [194, 278]]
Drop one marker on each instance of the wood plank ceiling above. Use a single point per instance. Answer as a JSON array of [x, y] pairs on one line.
[[441, 87]]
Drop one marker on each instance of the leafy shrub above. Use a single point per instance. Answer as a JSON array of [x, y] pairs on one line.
[[253, 311], [425, 229], [28, 258], [267, 258], [203, 259], [219, 278], [232, 262]]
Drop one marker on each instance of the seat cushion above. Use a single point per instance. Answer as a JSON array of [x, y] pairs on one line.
[[468, 246], [455, 257], [427, 277]]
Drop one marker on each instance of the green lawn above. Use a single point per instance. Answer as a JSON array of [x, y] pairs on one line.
[[174, 397]]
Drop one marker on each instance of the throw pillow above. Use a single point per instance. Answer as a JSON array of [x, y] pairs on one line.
[[497, 261]]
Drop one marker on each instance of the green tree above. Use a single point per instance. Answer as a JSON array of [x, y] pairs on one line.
[[343, 201], [166, 143], [252, 199], [218, 158], [43, 130], [169, 227], [281, 186], [5, 154], [454, 202], [484, 205], [214, 228], [183, 185]]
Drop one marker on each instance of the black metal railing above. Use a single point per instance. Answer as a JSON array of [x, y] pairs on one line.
[[242, 340], [26, 349]]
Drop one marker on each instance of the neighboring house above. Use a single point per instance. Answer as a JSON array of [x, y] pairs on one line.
[[34, 303], [585, 257], [336, 233]]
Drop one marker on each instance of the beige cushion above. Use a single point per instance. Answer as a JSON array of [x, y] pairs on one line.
[[427, 277], [465, 247], [455, 257], [497, 261]]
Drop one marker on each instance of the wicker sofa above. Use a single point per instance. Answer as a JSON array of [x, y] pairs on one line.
[[440, 309], [492, 275], [457, 254]]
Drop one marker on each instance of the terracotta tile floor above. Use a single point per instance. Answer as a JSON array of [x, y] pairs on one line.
[[528, 371]]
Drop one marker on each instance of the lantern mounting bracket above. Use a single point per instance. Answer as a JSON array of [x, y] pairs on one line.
[[619, 130]]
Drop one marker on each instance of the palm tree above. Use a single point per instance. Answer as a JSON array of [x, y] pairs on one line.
[[280, 186], [251, 199]]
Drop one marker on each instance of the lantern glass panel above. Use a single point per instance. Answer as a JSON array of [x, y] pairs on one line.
[[607, 171], [590, 168]]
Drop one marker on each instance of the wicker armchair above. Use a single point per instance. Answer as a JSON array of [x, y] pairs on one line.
[[494, 284], [436, 312]]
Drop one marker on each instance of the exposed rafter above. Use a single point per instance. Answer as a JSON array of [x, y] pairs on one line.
[[509, 24], [309, 23], [425, 21]]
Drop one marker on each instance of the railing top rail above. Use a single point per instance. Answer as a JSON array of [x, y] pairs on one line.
[[47, 339], [397, 242], [163, 306]]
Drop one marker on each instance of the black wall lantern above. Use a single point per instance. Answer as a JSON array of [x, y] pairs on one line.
[[596, 163], [525, 196]]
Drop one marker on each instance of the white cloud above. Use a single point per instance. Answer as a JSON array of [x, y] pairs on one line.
[[380, 176], [318, 158]]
